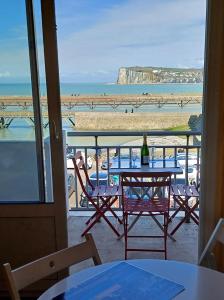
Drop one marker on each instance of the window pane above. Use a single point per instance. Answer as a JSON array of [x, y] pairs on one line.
[[18, 155]]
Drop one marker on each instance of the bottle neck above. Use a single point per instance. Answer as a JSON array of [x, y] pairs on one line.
[[144, 140]]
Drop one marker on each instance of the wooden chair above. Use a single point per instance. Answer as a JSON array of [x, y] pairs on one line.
[[146, 194], [101, 197], [21, 277], [207, 257]]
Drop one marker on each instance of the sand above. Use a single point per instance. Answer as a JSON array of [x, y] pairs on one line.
[[129, 121]]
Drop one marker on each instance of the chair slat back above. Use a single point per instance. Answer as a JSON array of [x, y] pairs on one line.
[[24, 276], [154, 175], [184, 190], [216, 236], [78, 162], [144, 185]]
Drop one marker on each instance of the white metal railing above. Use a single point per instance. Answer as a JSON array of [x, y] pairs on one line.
[[98, 156]]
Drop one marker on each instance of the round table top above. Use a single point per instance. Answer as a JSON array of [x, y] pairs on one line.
[[199, 282]]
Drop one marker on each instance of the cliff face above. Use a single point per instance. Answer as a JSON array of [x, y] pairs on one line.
[[135, 76], [147, 75]]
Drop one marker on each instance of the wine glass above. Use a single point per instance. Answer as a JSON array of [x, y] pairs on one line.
[[152, 154], [134, 157]]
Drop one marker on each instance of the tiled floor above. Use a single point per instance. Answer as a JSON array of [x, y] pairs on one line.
[[110, 249]]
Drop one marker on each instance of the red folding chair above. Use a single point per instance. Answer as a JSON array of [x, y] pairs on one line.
[[181, 195], [146, 194], [100, 196]]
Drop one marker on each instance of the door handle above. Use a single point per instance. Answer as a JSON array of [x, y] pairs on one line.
[[56, 133]]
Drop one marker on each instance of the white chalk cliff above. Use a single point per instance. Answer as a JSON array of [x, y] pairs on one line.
[[147, 75]]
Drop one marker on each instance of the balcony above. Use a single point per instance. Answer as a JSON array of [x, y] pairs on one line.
[[103, 150]]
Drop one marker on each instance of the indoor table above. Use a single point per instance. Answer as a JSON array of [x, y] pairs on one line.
[[198, 283]]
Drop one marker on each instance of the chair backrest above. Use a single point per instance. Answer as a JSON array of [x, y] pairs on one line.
[[79, 163], [184, 190], [207, 257], [146, 186], [21, 277]]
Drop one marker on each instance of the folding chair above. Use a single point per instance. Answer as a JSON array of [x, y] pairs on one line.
[[207, 257], [100, 196], [181, 195], [146, 194], [24, 276]]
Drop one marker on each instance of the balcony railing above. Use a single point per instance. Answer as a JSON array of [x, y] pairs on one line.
[[101, 148]]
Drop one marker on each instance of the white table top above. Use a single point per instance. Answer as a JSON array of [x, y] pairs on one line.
[[158, 165], [200, 283]]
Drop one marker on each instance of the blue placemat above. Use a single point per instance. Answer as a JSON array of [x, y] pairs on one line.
[[124, 281]]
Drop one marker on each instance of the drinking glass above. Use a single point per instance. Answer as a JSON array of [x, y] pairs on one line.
[[152, 154], [134, 157]]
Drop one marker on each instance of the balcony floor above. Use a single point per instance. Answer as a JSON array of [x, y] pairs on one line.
[[110, 249]]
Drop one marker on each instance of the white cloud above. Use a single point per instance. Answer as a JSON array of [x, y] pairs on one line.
[[199, 62], [139, 32], [15, 61], [4, 74], [93, 46]]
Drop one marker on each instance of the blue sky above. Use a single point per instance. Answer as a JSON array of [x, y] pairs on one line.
[[96, 37]]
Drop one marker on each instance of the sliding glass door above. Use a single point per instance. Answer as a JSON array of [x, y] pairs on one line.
[[33, 193]]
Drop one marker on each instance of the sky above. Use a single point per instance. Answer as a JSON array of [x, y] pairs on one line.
[[97, 37]]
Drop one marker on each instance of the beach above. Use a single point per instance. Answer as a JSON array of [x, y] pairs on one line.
[[129, 121]]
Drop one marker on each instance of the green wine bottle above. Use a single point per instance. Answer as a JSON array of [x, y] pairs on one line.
[[144, 151]]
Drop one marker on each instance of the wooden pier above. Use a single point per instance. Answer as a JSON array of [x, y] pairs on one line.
[[12, 107], [7, 117], [107, 100]]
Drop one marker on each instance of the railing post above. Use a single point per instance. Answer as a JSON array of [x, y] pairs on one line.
[[119, 157], [97, 163], [186, 162], [108, 166], [96, 158], [198, 167], [76, 186], [186, 170], [175, 176]]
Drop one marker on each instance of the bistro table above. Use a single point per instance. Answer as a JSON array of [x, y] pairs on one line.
[[199, 283], [156, 165]]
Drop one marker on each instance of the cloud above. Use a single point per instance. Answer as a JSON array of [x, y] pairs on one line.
[[14, 64], [4, 74], [96, 37], [199, 62], [138, 32]]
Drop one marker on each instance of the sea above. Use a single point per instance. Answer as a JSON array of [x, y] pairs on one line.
[[22, 130], [24, 89]]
